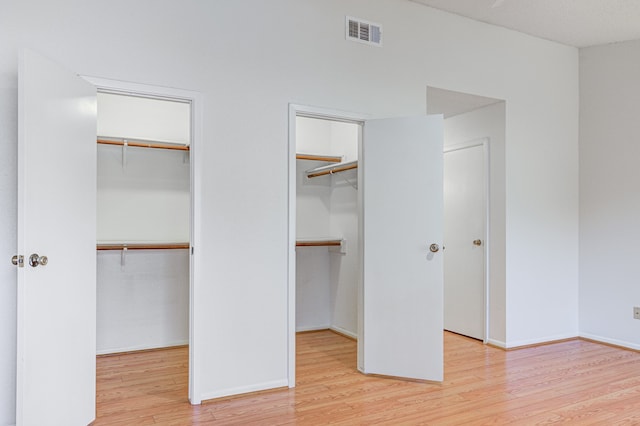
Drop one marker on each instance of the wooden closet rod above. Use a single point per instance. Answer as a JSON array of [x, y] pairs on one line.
[[143, 246], [319, 243], [335, 169], [144, 144], [327, 158]]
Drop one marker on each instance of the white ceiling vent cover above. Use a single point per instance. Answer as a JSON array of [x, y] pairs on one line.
[[363, 31]]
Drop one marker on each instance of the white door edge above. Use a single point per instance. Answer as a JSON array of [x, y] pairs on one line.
[[296, 110], [485, 143], [196, 362]]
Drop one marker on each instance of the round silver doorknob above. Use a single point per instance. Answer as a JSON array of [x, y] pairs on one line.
[[35, 260], [434, 248], [477, 242]]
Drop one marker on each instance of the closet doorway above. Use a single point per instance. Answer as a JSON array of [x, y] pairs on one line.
[[145, 220], [327, 255], [398, 247]]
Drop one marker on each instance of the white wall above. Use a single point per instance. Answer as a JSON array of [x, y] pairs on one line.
[[609, 201], [143, 303], [134, 117], [345, 268], [147, 200], [247, 81], [313, 205], [480, 123]]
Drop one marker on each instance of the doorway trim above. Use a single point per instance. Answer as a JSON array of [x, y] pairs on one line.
[[296, 110], [485, 144], [196, 143]]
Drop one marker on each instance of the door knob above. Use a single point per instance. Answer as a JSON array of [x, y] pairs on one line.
[[18, 260], [434, 248], [477, 242], [35, 260]]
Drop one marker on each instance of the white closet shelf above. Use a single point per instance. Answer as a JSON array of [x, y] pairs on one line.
[[331, 169], [140, 143], [317, 157], [142, 246]]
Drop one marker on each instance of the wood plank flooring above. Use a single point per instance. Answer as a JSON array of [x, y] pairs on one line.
[[578, 382]]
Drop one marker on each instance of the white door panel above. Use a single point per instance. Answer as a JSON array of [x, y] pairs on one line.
[[56, 218], [401, 183], [464, 223]]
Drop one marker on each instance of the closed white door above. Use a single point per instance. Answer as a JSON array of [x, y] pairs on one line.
[[56, 218], [400, 182], [464, 239]]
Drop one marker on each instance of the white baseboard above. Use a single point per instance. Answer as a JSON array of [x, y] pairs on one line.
[[497, 343], [538, 341], [244, 389], [346, 332], [609, 341], [313, 328], [109, 351]]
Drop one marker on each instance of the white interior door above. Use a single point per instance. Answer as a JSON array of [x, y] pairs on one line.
[[464, 239], [401, 188], [56, 218]]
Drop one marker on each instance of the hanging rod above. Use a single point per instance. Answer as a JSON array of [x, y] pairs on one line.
[[318, 243], [331, 169], [314, 157], [142, 246], [143, 144]]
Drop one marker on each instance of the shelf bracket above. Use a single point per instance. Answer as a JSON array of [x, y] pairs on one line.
[[123, 257], [125, 144], [341, 249]]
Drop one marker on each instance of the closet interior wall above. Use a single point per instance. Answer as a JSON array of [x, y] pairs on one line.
[[327, 207], [143, 197]]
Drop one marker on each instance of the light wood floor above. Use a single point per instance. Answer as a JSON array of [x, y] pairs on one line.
[[576, 381]]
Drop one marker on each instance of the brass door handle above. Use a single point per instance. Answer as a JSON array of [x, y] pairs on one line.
[[477, 242]]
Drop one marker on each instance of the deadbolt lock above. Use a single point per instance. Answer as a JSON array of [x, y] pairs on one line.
[[18, 260], [434, 248]]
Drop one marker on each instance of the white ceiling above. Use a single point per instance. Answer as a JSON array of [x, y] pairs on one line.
[[578, 23]]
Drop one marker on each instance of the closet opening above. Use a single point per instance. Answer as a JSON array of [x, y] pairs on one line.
[[144, 226], [327, 258]]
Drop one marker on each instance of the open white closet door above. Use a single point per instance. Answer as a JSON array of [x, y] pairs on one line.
[[402, 207], [56, 349]]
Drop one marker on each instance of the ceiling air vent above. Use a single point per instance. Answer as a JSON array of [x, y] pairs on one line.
[[364, 31]]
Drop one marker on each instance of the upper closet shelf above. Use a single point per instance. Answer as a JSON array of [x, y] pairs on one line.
[[314, 157], [331, 169], [142, 143]]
